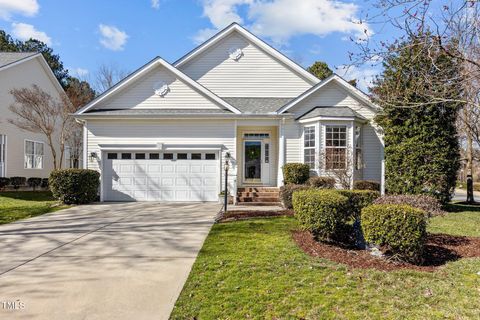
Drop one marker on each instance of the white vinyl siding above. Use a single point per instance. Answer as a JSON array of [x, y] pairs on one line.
[[255, 74], [141, 94]]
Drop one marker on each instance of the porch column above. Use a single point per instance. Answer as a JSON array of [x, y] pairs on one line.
[[353, 153], [281, 151]]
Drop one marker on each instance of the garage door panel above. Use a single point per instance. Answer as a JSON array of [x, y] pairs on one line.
[[161, 180]]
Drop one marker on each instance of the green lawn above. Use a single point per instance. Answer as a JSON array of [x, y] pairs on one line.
[[21, 205], [253, 270]]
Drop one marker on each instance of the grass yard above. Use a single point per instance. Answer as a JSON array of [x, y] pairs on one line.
[[21, 205], [252, 269]]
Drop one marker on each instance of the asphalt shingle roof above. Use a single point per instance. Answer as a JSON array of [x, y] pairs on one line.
[[257, 105], [337, 112], [7, 58]]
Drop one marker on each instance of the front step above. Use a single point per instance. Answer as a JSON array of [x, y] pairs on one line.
[[265, 196]]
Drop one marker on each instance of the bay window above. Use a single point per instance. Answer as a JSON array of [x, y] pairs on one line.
[[309, 146], [335, 147], [34, 152]]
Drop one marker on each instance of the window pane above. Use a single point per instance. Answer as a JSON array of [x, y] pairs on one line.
[[196, 156], [309, 158], [210, 156], [154, 156], [140, 156], [168, 156], [29, 145], [181, 156], [335, 158], [39, 149], [309, 136], [29, 161], [112, 156], [38, 162], [126, 156]]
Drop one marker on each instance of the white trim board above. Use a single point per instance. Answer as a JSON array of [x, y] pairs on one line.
[[146, 68], [299, 70]]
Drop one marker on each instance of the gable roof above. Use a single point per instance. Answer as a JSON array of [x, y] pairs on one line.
[[235, 27], [11, 59], [144, 69], [334, 112], [334, 77], [7, 58]]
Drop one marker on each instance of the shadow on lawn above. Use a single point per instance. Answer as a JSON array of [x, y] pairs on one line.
[[461, 207], [28, 195]]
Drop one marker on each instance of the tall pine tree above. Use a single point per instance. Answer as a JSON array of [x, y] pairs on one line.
[[418, 118]]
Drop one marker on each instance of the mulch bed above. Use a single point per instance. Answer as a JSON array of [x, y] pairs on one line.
[[440, 249], [242, 215]]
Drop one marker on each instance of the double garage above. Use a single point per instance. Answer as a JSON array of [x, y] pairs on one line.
[[160, 176]]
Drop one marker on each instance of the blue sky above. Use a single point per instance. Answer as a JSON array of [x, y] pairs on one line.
[[128, 34]]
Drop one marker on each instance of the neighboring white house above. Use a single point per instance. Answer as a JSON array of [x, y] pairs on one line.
[[165, 132], [23, 153]]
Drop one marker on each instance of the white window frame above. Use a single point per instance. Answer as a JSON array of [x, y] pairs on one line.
[[34, 167], [325, 147], [314, 147]]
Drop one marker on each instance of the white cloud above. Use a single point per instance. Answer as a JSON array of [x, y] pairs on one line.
[[24, 31], [363, 75], [79, 72], [282, 19], [112, 38], [27, 8], [155, 4]]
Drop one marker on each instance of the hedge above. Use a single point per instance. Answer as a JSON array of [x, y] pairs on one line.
[[286, 193], [295, 173], [322, 212], [75, 186], [400, 230], [322, 182], [366, 185], [4, 182], [18, 182], [426, 203], [358, 199], [44, 183], [34, 182]]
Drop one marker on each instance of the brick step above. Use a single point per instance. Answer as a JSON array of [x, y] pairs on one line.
[[257, 194], [260, 204], [253, 199], [258, 189]]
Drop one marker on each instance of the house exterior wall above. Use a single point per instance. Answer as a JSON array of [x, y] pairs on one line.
[[255, 74], [172, 132], [334, 95], [141, 94], [19, 76]]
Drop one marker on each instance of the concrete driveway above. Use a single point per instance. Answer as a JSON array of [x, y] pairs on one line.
[[105, 261]]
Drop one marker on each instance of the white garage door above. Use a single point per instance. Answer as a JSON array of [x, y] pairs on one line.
[[143, 176]]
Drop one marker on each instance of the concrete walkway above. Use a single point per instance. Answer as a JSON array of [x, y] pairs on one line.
[[461, 195], [105, 261]]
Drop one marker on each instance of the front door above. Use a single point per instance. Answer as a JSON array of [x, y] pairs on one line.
[[256, 161]]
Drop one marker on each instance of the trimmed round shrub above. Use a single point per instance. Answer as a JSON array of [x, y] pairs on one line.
[[322, 212], [4, 182], [286, 193], [75, 186], [426, 203], [366, 185], [358, 199], [18, 182], [44, 183], [400, 230], [321, 182], [34, 182], [295, 173]]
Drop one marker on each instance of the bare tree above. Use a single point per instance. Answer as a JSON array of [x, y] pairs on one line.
[[37, 111], [107, 76], [339, 164]]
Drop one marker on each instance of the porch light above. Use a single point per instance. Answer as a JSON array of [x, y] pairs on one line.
[[93, 155]]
